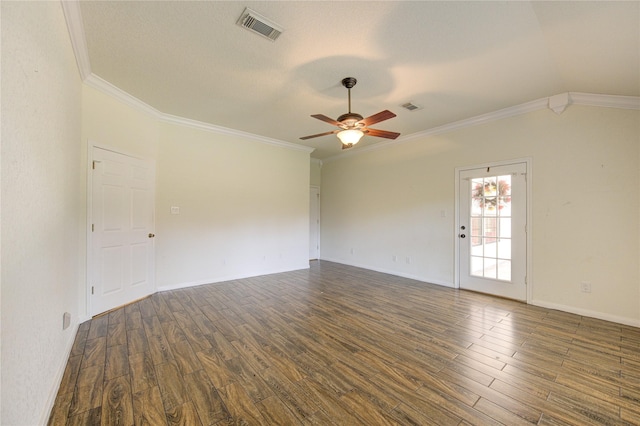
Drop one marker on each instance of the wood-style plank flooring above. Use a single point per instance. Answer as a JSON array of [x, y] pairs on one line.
[[341, 345]]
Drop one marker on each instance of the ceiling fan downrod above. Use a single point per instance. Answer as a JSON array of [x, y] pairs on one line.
[[349, 82], [349, 119]]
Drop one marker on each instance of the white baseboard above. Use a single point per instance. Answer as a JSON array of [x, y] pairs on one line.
[[392, 272], [543, 304], [220, 279], [587, 313], [51, 400]]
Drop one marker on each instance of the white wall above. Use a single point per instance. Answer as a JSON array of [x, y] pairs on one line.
[[41, 208], [585, 205], [244, 208]]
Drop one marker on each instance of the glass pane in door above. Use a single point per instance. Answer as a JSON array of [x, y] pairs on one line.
[[491, 227]]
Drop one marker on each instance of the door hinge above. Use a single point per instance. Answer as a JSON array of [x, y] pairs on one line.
[[91, 289], [93, 165], [93, 227]]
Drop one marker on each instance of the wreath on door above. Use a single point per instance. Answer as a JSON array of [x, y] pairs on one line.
[[492, 195]]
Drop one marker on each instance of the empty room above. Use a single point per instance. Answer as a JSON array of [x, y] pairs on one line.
[[320, 212]]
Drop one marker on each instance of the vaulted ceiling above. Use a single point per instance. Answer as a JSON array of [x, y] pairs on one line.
[[456, 60]]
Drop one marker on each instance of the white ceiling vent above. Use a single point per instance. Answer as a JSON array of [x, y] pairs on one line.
[[259, 24], [411, 106]]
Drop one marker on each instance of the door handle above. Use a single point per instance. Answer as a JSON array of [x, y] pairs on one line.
[[152, 235]]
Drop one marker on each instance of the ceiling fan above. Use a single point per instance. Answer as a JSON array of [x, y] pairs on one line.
[[351, 126]]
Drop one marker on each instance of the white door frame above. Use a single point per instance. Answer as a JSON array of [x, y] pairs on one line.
[[529, 255], [89, 242], [317, 188]]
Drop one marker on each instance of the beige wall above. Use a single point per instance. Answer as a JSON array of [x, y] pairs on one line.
[[41, 206], [243, 204], [244, 208], [316, 172], [109, 123], [585, 203]]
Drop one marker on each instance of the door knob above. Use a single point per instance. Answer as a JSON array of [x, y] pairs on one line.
[[152, 235]]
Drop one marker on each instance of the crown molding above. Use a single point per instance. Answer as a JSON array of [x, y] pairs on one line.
[[194, 124], [115, 92], [135, 103], [73, 16], [605, 101], [573, 98], [456, 125]]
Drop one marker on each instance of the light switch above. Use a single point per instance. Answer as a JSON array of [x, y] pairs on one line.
[[175, 210]]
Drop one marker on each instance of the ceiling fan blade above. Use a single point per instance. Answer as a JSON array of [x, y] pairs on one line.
[[327, 119], [319, 134], [381, 133], [376, 118]]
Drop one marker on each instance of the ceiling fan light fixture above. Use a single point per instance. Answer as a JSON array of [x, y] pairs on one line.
[[350, 136]]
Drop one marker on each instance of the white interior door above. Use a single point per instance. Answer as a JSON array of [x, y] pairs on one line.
[[314, 223], [122, 214], [492, 230]]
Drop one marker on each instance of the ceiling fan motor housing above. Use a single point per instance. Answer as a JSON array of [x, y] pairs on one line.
[[349, 119], [349, 82]]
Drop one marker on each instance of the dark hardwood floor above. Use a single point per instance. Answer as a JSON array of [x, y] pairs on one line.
[[341, 345]]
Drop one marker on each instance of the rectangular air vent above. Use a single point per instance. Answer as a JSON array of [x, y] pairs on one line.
[[259, 25], [411, 107]]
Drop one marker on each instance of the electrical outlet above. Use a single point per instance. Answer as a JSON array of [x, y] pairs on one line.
[[394, 258], [408, 259], [352, 251], [585, 287]]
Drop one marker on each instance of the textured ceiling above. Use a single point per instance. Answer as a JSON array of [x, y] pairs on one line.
[[455, 59]]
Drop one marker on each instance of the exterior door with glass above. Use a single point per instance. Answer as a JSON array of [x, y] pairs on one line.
[[492, 230]]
